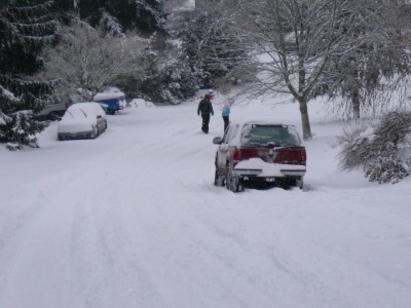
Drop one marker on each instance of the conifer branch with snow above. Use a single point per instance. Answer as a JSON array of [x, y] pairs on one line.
[[384, 152]]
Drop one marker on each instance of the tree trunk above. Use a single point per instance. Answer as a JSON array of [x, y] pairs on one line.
[[305, 121], [355, 100]]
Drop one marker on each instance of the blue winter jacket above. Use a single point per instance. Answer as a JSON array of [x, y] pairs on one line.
[[226, 111]]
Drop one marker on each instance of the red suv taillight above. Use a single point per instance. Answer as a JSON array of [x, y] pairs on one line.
[[245, 153], [294, 156], [236, 155], [291, 155], [303, 156]]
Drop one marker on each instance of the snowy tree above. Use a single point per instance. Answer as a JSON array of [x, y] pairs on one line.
[[292, 42], [121, 16], [25, 28], [382, 150], [179, 6], [168, 77], [86, 58], [387, 165], [211, 42], [379, 55], [66, 10]]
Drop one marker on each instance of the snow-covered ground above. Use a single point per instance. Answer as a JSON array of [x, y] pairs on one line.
[[132, 219]]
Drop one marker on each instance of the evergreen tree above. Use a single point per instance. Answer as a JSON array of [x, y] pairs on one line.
[[167, 77], [120, 16], [212, 44], [25, 28], [66, 10], [387, 165]]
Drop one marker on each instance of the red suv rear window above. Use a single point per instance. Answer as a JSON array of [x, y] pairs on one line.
[[262, 135]]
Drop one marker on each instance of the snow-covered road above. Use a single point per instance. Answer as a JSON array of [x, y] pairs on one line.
[[132, 219]]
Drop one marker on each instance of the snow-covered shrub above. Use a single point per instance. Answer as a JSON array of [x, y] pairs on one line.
[[383, 152], [386, 165], [355, 143]]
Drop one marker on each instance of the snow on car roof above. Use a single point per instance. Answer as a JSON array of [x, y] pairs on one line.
[[108, 95], [235, 140], [81, 113], [81, 110], [86, 106], [259, 120]]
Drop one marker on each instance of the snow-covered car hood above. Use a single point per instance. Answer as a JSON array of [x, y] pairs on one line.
[[81, 117], [75, 125]]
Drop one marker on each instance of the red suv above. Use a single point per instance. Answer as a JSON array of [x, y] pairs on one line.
[[259, 152]]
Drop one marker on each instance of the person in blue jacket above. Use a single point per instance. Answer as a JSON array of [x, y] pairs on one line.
[[226, 114]]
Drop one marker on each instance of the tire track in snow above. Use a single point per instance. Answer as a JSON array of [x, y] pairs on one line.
[[258, 268], [117, 272]]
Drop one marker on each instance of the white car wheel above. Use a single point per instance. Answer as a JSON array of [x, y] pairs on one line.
[[218, 179]]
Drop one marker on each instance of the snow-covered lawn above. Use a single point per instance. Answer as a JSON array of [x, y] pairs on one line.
[[132, 219]]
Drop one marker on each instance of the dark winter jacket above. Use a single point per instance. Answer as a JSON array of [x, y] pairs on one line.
[[205, 107]]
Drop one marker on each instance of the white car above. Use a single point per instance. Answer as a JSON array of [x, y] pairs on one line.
[[82, 120]]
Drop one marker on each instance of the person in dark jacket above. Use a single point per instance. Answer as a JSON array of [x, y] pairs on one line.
[[205, 108]]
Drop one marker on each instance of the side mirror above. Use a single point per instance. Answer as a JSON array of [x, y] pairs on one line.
[[217, 140]]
